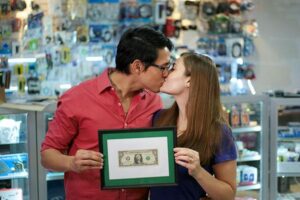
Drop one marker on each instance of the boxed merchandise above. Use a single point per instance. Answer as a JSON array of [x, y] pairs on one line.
[[13, 165], [246, 175], [11, 194], [9, 131]]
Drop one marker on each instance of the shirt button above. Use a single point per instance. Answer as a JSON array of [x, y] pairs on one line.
[[112, 89], [123, 190], [119, 104], [125, 125]]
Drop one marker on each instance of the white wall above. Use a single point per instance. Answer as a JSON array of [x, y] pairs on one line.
[[278, 45], [277, 56]]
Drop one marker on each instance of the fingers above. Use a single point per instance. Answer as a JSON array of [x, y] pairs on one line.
[[86, 159], [89, 155], [186, 154], [183, 164], [187, 159]]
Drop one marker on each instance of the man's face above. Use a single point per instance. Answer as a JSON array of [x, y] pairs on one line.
[[176, 82], [154, 77]]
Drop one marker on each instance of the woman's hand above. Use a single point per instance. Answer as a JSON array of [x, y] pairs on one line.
[[189, 159]]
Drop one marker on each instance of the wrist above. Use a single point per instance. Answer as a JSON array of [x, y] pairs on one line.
[[200, 174], [70, 163]]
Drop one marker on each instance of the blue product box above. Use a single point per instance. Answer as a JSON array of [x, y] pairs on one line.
[[13, 165]]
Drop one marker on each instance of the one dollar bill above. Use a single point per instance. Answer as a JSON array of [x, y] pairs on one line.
[[138, 157]]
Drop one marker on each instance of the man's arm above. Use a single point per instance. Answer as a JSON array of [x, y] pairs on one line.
[[84, 159]]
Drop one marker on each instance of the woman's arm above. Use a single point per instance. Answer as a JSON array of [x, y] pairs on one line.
[[221, 186]]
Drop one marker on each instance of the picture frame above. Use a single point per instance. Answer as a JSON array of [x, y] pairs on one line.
[[138, 157]]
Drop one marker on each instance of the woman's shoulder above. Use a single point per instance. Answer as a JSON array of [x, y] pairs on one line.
[[158, 112], [227, 148], [156, 115], [226, 130]]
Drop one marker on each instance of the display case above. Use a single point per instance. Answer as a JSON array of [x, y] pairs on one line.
[[285, 148], [51, 184], [248, 118], [18, 163]]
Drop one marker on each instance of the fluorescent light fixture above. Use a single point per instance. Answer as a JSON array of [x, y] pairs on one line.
[[239, 61], [21, 60], [13, 88], [40, 55], [94, 58], [65, 86], [239, 83], [252, 90]]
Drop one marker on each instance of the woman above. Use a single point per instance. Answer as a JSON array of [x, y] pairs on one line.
[[206, 153]]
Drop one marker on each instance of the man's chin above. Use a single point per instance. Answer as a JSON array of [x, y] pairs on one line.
[[155, 90]]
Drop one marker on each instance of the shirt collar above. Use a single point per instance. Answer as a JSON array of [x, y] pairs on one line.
[[103, 82]]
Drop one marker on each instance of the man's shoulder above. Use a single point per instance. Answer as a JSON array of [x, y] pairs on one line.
[[79, 90]]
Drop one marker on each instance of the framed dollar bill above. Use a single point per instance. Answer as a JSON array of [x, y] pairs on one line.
[[138, 157]]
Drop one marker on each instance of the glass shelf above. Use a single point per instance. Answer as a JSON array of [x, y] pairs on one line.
[[249, 187], [250, 158], [246, 129], [55, 176], [288, 168], [288, 139], [15, 175]]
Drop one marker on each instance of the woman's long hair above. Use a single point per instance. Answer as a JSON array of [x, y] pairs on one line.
[[203, 109]]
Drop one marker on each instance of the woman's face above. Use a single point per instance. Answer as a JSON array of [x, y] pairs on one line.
[[176, 82]]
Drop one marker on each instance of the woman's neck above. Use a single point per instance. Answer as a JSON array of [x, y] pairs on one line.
[[182, 117]]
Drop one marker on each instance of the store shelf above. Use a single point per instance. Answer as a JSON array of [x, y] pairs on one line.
[[282, 127], [18, 143], [287, 174], [247, 129], [52, 176], [252, 158], [288, 169], [15, 175], [289, 196], [249, 187], [288, 139]]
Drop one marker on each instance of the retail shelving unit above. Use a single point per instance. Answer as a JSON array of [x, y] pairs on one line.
[[251, 135], [285, 148], [51, 184], [18, 163]]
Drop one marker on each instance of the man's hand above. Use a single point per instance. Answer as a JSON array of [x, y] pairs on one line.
[[86, 159]]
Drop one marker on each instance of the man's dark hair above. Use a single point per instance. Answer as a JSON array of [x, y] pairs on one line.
[[140, 43]]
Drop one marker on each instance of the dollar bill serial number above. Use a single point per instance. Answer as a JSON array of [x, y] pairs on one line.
[[133, 158]]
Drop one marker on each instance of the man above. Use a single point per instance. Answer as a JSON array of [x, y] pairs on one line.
[[118, 98]]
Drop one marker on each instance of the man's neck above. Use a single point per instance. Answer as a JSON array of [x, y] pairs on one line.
[[125, 85]]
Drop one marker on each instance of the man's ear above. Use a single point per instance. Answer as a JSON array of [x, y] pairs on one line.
[[136, 67]]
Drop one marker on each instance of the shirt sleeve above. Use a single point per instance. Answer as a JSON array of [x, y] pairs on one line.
[[227, 150], [62, 129]]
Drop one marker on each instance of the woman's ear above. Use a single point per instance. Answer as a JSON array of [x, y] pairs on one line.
[[188, 81]]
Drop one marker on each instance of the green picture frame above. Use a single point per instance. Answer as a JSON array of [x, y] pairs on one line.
[[121, 149]]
